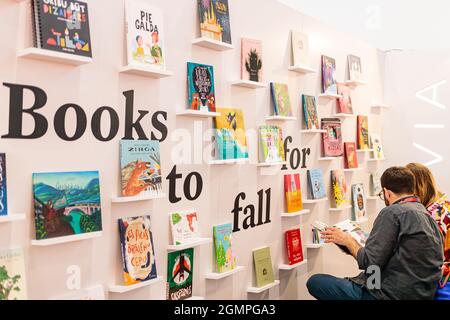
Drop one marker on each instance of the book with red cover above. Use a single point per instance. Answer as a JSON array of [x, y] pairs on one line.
[[332, 138], [351, 160], [294, 246], [344, 103]]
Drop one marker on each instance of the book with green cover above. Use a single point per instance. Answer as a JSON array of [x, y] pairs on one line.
[[180, 268], [263, 267], [223, 242]]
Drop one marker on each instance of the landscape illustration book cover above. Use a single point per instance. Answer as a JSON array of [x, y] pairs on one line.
[[345, 101], [66, 203], [363, 132], [339, 188], [351, 159], [310, 112], [215, 20], [294, 247], [354, 67], [13, 284], [145, 34], [359, 203], [251, 60], [201, 88], [333, 145], [62, 26], [300, 49], [281, 100], [316, 184], [138, 253], [3, 187], [293, 193], [185, 226], [329, 85], [263, 267], [180, 273], [230, 136], [140, 163], [223, 242], [271, 144]]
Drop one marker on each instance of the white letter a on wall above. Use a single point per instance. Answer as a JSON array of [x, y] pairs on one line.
[[422, 95]]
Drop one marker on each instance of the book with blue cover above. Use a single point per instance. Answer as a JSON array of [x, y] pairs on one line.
[[223, 242], [3, 193], [201, 89], [316, 184]]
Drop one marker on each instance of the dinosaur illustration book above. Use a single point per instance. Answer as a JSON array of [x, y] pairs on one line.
[[66, 203], [140, 167], [214, 18], [201, 88], [62, 26], [185, 227], [180, 272], [251, 60]]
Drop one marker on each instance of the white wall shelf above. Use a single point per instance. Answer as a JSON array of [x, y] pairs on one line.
[[373, 198], [281, 118], [229, 162], [313, 201], [295, 214], [192, 244], [314, 246], [262, 289], [218, 276], [212, 44], [341, 209], [249, 84], [355, 83], [271, 164], [352, 169], [60, 240], [344, 115], [287, 267], [12, 218], [196, 298], [329, 158], [53, 56], [302, 69], [364, 150], [330, 96], [376, 160], [138, 198], [197, 113], [313, 131], [124, 289], [380, 106], [146, 72]]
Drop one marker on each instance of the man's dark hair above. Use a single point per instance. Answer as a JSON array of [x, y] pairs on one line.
[[399, 180]]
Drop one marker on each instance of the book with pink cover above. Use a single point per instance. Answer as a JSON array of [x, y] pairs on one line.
[[251, 60], [344, 103], [332, 138]]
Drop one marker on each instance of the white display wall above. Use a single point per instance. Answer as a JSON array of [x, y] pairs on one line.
[[100, 84]]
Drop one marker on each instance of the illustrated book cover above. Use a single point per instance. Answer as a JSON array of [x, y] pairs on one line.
[[329, 85], [300, 48], [185, 226], [316, 184], [351, 158], [180, 273], [354, 67], [223, 243], [375, 183], [271, 144], [201, 90], [333, 145], [310, 112], [281, 100], [339, 188], [3, 186], [293, 193], [344, 103], [263, 267], [13, 284], [294, 247], [377, 146], [215, 20], [363, 132], [359, 203], [251, 60]]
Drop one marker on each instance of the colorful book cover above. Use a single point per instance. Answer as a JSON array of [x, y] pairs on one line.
[[354, 67], [223, 242], [272, 144], [13, 284], [231, 139], [201, 87], [359, 203], [281, 100], [251, 60], [351, 159], [339, 188], [293, 193], [215, 20], [3, 186], [363, 133], [263, 267], [316, 184], [185, 227], [345, 101], [375, 182], [62, 26], [333, 145], [66, 203], [300, 49], [138, 253], [145, 34], [329, 85], [180, 273], [310, 112], [377, 146], [140, 164], [294, 246]]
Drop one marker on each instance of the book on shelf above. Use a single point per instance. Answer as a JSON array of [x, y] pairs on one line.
[[316, 184], [145, 34], [66, 204], [316, 236], [293, 193], [263, 267], [332, 137], [300, 48], [363, 132], [140, 162], [354, 67], [351, 158], [359, 202], [223, 243], [294, 246], [329, 85], [311, 117], [201, 89], [375, 183], [185, 226], [138, 251], [272, 144], [180, 273], [3, 186], [281, 99], [339, 189], [230, 137], [377, 146], [13, 283], [214, 16], [251, 60], [344, 103], [62, 26]]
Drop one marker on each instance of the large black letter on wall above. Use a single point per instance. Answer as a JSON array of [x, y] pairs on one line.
[[60, 122], [129, 124], [97, 121]]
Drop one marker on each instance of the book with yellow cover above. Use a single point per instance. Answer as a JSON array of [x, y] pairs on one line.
[[231, 140], [263, 267], [293, 193]]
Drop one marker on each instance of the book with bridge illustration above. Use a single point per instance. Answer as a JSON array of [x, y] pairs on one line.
[[66, 203]]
